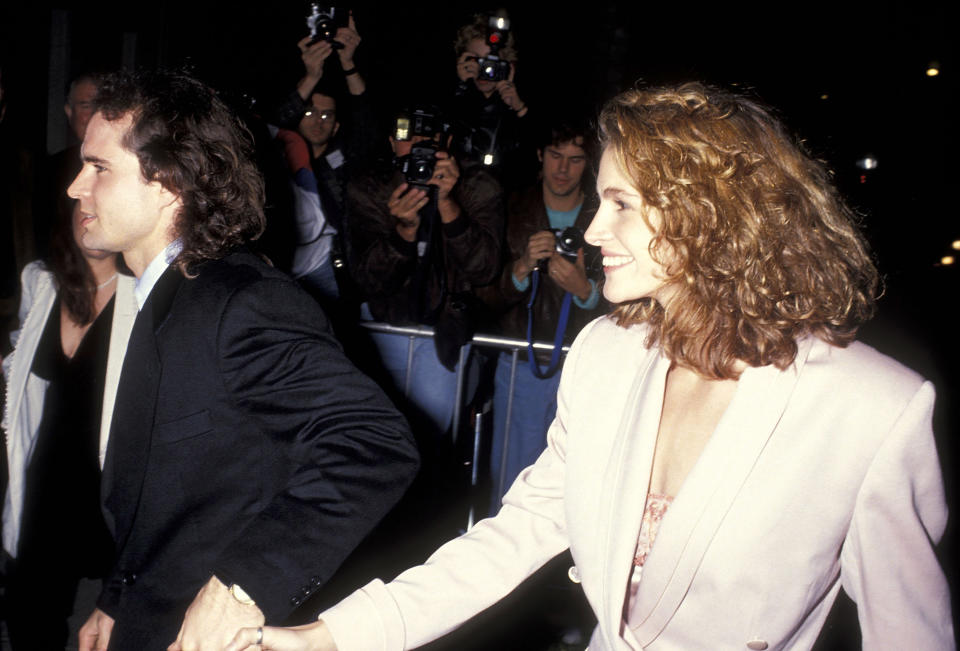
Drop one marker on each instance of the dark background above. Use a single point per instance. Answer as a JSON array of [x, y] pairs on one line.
[[848, 78]]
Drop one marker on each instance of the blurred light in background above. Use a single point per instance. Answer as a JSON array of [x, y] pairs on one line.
[[868, 162]]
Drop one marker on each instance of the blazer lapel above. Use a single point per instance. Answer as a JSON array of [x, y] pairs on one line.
[[124, 314], [625, 487], [709, 491], [136, 400]]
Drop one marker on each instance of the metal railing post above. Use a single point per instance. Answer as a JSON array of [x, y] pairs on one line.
[[506, 430], [481, 340]]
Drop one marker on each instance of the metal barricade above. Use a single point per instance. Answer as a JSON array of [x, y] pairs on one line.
[[481, 341]]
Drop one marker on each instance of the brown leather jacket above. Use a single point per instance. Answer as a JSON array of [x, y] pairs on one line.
[[383, 263], [526, 214]]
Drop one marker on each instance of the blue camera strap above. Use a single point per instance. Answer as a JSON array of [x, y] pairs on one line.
[[557, 337]]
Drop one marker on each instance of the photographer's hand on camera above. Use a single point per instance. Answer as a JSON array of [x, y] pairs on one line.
[[508, 94], [314, 57], [445, 175], [404, 204], [539, 247], [467, 66], [349, 37], [571, 277]]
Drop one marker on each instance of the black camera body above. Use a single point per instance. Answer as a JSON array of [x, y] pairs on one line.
[[324, 22], [569, 241], [418, 166], [493, 68]]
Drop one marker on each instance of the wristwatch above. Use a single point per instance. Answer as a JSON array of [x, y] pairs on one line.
[[240, 595]]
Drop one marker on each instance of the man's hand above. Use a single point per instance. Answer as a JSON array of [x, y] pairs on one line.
[[540, 245], [467, 66], [94, 635], [213, 618], [350, 39], [313, 56], [405, 203], [508, 93], [571, 277], [312, 637], [445, 175]]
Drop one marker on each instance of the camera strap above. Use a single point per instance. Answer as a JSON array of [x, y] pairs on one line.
[[557, 337], [430, 269]]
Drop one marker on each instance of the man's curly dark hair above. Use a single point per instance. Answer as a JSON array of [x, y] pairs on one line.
[[187, 139]]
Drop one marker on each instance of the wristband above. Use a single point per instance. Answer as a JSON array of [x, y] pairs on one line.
[[351, 71]]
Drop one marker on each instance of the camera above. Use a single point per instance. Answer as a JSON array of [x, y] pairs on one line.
[[418, 165], [324, 22], [425, 121], [569, 241], [421, 121], [492, 67]]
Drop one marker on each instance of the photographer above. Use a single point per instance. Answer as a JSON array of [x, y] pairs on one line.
[[486, 103], [419, 245], [320, 154], [538, 219]]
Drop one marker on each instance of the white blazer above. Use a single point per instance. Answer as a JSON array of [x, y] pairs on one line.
[[822, 475], [25, 391]]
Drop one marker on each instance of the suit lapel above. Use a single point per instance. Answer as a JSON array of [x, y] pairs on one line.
[[625, 488], [708, 493], [136, 400]]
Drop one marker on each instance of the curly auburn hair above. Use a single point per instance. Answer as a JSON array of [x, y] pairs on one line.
[[186, 138], [752, 234]]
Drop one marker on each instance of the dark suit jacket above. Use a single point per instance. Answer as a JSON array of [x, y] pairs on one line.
[[243, 445]]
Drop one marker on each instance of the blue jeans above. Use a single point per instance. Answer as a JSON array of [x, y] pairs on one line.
[[430, 387], [533, 409], [321, 281]]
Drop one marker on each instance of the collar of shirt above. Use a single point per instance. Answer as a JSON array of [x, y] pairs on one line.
[[153, 272]]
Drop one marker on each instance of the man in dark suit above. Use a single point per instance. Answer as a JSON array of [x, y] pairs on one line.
[[247, 457]]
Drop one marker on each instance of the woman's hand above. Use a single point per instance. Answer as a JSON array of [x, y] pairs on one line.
[[312, 637]]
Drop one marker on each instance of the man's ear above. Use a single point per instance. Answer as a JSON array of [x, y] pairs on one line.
[[170, 199], [68, 110], [336, 127], [393, 145], [540, 155]]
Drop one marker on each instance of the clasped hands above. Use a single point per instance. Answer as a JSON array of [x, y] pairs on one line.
[[210, 623]]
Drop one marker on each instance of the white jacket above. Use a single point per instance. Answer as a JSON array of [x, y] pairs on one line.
[[822, 475]]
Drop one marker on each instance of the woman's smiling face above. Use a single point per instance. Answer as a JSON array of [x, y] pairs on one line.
[[622, 233]]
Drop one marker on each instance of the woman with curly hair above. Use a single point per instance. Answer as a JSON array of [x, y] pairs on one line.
[[725, 456]]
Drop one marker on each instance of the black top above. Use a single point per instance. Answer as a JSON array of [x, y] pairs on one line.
[[62, 522]]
